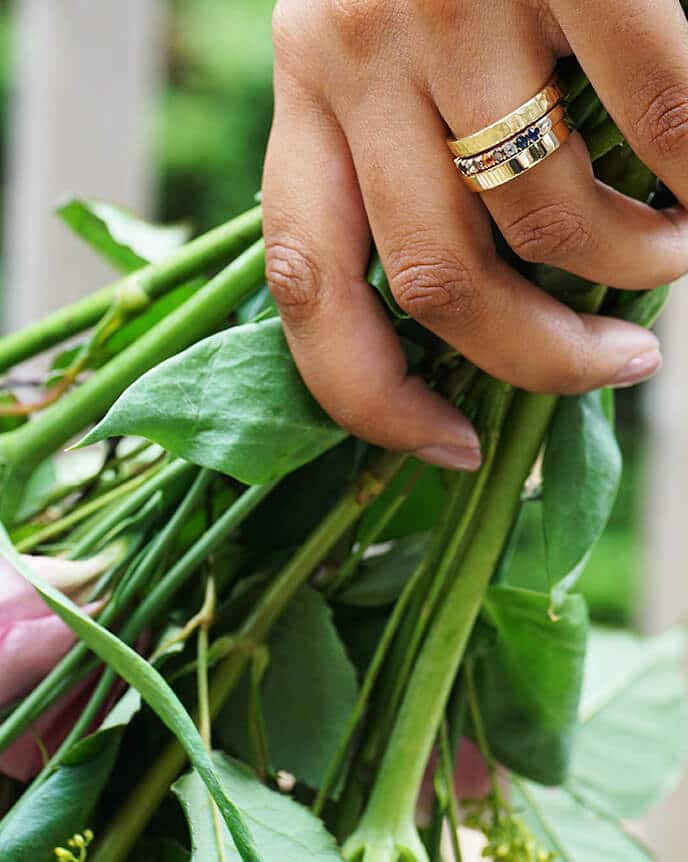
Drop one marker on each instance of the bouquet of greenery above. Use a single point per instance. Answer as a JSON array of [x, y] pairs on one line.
[[229, 631]]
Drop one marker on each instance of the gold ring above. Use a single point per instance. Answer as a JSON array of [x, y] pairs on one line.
[[511, 148], [515, 122], [524, 161]]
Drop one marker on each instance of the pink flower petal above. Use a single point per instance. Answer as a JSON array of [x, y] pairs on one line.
[[24, 758], [29, 649], [19, 600]]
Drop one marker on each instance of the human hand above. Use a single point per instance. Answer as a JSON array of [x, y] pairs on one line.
[[366, 91]]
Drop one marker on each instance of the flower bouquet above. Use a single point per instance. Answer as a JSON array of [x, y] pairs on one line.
[[230, 631]]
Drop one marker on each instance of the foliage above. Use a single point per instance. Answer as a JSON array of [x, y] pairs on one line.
[[326, 612]]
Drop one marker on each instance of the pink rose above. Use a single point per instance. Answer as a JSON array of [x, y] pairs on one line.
[[32, 641]]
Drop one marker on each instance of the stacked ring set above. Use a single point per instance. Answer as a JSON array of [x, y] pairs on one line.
[[515, 144]]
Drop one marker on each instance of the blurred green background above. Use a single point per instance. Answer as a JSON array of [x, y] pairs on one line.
[[210, 132]]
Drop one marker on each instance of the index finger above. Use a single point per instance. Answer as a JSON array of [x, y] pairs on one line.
[[318, 244]]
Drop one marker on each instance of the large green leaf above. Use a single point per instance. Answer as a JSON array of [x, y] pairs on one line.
[[284, 831], [136, 671], [581, 475], [574, 832], [233, 402], [632, 745], [629, 751], [121, 237], [60, 807], [530, 681], [308, 691]]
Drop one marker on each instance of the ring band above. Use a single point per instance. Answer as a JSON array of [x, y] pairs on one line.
[[511, 148], [524, 161], [514, 123]]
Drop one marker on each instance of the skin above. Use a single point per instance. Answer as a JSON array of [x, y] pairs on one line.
[[366, 93]]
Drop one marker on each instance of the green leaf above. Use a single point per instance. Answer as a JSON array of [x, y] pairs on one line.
[[233, 402], [571, 830], [9, 423], [60, 807], [381, 578], [581, 475], [378, 279], [286, 518], [632, 745], [307, 660], [630, 749], [284, 830], [124, 239], [642, 307], [529, 682], [136, 671], [603, 139]]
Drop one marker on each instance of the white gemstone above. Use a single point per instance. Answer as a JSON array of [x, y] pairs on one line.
[[545, 126], [510, 149]]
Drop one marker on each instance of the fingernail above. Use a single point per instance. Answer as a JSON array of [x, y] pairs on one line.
[[640, 368], [451, 457]]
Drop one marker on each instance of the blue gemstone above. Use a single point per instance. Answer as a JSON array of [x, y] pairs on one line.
[[521, 142], [533, 134]]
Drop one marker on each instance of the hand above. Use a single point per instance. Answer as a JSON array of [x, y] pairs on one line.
[[366, 91]]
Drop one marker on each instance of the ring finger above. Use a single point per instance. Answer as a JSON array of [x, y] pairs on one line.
[[558, 213]]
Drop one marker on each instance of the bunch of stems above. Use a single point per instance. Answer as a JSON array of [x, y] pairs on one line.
[[405, 691]]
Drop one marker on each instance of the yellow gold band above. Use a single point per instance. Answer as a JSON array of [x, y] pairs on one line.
[[511, 148], [512, 124], [524, 161]]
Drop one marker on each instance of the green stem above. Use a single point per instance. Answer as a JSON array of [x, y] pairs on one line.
[[144, 800], [154, 604], [452, 807], [394, 795], [195, 257], [384, 517], [23, 449], [443, 558], [480, 734], [175, 472], [57, 528]]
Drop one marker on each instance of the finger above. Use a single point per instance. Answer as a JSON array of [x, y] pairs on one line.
[[636, 55], [558, 213], [434, 237], [318, 244]]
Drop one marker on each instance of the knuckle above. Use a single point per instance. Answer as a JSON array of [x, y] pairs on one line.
[[436, 286], [550, 233], [358, 23], [662, 124], [292, 36], [293, 279]]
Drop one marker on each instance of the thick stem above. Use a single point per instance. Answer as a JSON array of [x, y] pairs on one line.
[[394, 796], [132, 818], [23, 449], [195, 257]]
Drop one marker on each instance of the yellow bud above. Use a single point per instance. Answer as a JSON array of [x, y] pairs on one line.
[[65, 855], [88, 835], [502, 851]]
